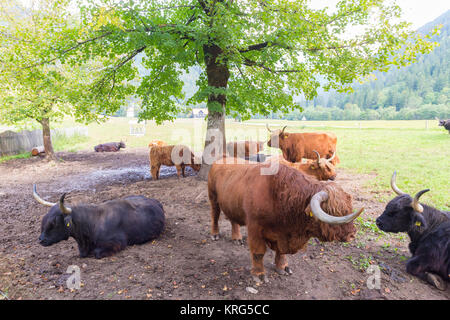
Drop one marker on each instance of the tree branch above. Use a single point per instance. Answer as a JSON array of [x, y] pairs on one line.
[[251, 63]]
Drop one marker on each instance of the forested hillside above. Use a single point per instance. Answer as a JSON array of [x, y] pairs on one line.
[[419, 91]]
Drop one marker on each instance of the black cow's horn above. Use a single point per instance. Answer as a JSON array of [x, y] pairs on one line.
[[415, 203], [282, 131], [322, 196], [62, 207], [40, 200], [267, 126], [318, 156], [394, 186]]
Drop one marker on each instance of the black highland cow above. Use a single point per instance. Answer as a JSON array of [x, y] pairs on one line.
[[445, 124], [429, 232], [102, 230]]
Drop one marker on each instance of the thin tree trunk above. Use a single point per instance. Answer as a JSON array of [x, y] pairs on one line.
[[218, 75], [48, 146]]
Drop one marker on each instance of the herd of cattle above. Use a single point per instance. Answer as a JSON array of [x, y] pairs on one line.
[[281, 211]]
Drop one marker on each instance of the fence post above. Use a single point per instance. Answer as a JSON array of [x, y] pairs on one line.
[[426, 124]]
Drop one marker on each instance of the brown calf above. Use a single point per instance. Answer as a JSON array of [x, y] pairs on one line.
[[179, 156]]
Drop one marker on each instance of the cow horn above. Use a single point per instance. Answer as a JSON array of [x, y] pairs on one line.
[[267, 126], [62, 207], [282, 131], [322, 196], [394, 186], [332, 157], [318, 156], [415, 203], [40, 200]]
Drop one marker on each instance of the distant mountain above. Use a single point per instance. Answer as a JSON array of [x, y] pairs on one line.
[[424, 84]]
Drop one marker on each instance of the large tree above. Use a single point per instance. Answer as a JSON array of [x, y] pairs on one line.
[[255, 54], [34, 91]]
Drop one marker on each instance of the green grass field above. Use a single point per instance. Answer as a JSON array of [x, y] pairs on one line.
[[419, 154]]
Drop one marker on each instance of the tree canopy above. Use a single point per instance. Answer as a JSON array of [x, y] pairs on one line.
[[268, 50], [29, 89]]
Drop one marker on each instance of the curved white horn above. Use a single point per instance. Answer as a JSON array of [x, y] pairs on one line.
[[62, 207], [394, 186], [415, 203], [40, 200], [267, 126], [322, 196], [318, 156], [332, 157]]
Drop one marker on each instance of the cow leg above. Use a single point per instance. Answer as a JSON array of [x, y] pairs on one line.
[[257, 247], [155, 172], [109, 247], [182, 170], [281, 264], [178, 170], [417, 266], [236, 235], [215, 214]]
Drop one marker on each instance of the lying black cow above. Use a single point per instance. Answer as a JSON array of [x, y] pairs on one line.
[[102, 230], [429, 231], [109, 147], [445, 124]]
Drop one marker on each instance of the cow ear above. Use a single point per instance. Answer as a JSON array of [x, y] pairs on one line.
[[68, 221], [313, 167], [419, 220], [308, 211]]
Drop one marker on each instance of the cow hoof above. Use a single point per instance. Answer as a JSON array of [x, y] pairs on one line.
[[284, 272], [215, 237], [238, 242], [260, 279], [436, 281]]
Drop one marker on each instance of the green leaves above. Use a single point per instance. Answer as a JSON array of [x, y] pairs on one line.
[[272, 51]]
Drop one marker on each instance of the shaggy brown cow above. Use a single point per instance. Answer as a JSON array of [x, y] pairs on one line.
[[244, 149], [156, 143], [321, 169], [296, 146], [281, 211], [179, 156]]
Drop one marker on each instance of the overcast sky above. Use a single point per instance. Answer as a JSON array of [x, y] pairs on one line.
[[418, 12]]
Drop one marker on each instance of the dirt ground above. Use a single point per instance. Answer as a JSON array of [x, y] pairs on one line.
[[184, 263]]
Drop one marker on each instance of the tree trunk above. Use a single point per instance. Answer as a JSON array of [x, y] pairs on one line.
[[218, 75], [48, 146]]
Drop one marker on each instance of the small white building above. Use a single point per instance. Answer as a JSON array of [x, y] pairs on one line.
[[199, 112], [130, 111]]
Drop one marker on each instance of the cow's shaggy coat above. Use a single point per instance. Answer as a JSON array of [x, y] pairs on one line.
[[275, 209]]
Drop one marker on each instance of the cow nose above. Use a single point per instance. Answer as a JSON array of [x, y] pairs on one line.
[[379, 223], [332, 178]]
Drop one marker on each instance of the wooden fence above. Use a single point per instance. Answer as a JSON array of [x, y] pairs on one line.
[[19, 142]]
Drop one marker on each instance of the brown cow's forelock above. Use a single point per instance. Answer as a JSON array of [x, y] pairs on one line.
[[295, 192]]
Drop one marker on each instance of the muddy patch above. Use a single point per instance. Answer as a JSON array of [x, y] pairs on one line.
[[184, 263]]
